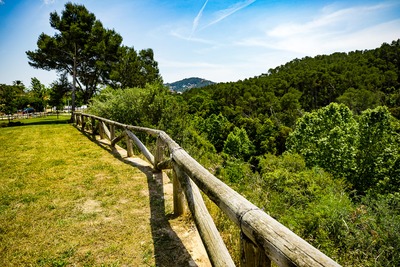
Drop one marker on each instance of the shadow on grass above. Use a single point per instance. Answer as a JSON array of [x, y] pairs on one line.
[[168, 248]]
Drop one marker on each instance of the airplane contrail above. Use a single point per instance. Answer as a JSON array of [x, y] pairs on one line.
[[222, 14], [197, 18]]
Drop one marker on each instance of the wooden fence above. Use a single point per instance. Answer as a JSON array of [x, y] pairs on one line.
[[263, 239], [18, 116]]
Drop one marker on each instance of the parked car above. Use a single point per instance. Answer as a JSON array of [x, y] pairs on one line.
[[28, 110]]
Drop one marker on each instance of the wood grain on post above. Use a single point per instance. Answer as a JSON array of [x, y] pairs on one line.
[[179, 199], [83, 122], [101, 130], [215, 247], [76, 119], [251, 254], [93, 127], [115, 140], [106, 131], [159, 153], [141, 147], [129, 145], [112, 132]]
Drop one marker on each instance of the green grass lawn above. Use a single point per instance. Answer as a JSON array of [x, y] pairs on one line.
[[66, 201]]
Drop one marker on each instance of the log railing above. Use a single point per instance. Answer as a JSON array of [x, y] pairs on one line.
[[263, 239]]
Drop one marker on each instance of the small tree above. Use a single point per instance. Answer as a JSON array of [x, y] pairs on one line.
[[58, 91], [327, 138], [238, 144], [217, 128], [9, 98], [378, 154], [39, 95]]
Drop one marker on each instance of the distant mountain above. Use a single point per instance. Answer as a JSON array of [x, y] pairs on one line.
[[188, 83]]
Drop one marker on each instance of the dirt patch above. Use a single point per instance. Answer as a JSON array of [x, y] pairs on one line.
[[91, 206], [192, 241]]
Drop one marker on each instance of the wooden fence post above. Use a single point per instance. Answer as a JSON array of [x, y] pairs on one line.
[[76, 119], [129, 145], [83, 122], [213, 243], [101, 130], [112, 132], [93, 127], [178, 195], [251, 254], [159, 153], [141, 147], [106, 132]]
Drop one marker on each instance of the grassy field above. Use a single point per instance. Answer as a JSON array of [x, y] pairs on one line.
[[66, 201]]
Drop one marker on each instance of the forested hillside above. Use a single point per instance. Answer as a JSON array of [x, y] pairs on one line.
[[359, 79], [314, 142]]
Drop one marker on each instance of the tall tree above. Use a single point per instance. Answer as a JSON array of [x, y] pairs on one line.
[[148, 67], [125, 71], [134, 69], [81, 47]]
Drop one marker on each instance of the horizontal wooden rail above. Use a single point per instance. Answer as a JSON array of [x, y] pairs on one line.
[[269, 239]]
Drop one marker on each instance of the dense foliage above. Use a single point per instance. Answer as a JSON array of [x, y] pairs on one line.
[[15, 98], [10, 98]]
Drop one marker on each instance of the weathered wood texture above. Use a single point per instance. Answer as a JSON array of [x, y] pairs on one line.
[[112, 132], [141, 146], [276, 241], [216, 249], [106, 131], [178, 195], [115, 140], [83, 122], [129, 146], [93, 120], [159, 154], [251, 254]]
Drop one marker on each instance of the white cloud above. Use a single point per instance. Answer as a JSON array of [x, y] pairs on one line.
[[185, 64], [333, 30], [341, 20], [1, 2], [176, 33], [49, 2]]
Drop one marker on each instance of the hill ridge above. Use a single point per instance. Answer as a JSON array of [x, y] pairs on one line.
[[188, 83]]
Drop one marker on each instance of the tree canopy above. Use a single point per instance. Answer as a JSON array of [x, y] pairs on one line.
[[92, 54]]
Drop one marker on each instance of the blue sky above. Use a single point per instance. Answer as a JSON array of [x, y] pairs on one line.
[[212, 39]]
